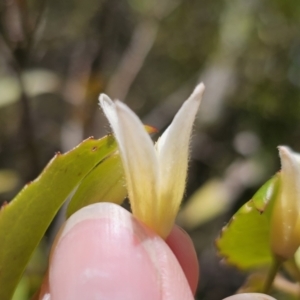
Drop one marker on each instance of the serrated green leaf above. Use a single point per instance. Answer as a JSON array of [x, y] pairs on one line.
[[24, 221], [111, 187], [244, 242]]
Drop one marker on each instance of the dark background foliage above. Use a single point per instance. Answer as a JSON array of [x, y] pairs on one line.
[[57, 56]]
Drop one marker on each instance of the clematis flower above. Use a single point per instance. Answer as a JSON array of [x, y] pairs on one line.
[[155, 174], [285, 221]]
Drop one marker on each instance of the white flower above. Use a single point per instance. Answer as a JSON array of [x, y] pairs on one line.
[[155, 175]]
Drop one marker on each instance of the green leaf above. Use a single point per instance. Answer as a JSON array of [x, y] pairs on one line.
[[24, 221], [244, 242], [22, 291], [266, 193], [111, 187]]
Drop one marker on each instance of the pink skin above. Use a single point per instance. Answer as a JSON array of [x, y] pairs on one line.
[[103, 252]]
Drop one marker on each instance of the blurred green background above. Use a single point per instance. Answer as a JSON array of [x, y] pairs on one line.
[[57, 56]]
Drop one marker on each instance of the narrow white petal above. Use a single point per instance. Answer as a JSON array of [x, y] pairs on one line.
[[173, 153], [109, 108], [138, 157], [107, 105]]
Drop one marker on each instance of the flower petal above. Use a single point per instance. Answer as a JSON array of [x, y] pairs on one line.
[[109, 108], [285, 234], [173, 152], [139, 159]]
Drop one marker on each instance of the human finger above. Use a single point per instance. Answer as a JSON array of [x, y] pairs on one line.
[[104, 252]]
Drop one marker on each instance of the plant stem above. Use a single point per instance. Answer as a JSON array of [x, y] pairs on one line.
[[276, 264]]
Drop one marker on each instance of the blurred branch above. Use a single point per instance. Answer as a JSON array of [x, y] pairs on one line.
[[86, 62], [141, 43], [24, 21], [27, 130], [81, 76], [16, 35], [84, 80], [219, 75], [6, 49], [133, 59], [36, 30]]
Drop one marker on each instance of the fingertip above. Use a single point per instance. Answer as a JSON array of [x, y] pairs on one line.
[[103, 251]]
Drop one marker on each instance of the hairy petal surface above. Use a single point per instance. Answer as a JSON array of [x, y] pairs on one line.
[[138, 157], [173, 153]]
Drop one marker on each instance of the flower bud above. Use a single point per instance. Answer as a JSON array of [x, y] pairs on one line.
[[285, 223]]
